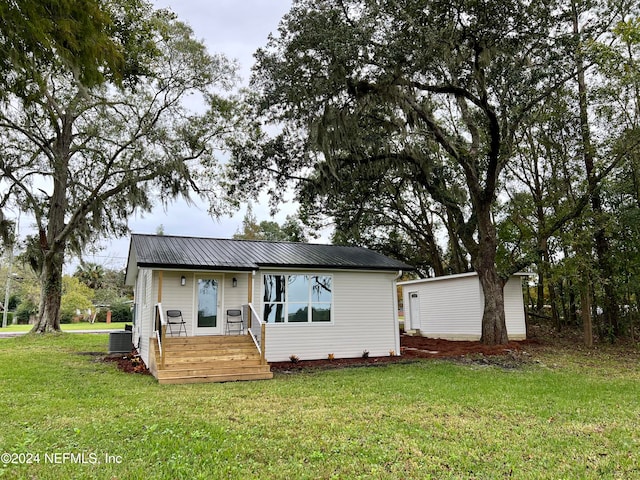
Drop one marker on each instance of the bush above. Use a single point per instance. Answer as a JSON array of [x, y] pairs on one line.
[[120, 312], [75, 296], [24, 312], [65, 316], [14, 301]]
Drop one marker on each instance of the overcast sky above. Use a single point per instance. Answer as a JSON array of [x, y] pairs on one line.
[[236, 28]]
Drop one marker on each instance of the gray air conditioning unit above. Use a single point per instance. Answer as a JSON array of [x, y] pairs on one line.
[[120, 342]]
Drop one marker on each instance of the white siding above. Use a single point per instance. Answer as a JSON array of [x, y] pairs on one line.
[[146, 312], [364, 318], [514, 309], [175, 296], [137, 310], [364, 315], [451, 307], [234, 298]]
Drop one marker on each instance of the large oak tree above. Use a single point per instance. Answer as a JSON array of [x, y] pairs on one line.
[[80, 153], [441, 87]]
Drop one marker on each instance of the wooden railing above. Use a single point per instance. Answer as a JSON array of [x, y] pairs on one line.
[[256, 328], [161, 330]]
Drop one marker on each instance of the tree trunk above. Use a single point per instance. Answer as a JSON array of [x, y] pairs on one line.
[[50, 294], [494, 326], [458, 262], [553, 300], [585, 304], [52, 243], [544, 269], [573, 308], [431, 244], [539, 306], [600, 236]]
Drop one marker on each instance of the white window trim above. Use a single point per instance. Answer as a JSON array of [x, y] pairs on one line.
[[310, 303]]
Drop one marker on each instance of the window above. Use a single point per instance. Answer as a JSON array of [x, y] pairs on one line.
[[274, 300], [297, 298]]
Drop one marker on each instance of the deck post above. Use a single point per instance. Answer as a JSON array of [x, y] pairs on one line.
[[262, 344], [163, 335], [249, 298], [163, 328]]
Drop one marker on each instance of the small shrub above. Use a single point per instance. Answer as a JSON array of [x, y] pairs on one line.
[[331, 356], [66, 316], [121, 312], [24, 312], [294, 358], [14, 301], [365, 354]]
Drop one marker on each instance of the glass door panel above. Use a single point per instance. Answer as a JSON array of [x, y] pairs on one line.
[[208, 321]]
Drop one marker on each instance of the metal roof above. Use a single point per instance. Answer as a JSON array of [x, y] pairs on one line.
[[193, 253]]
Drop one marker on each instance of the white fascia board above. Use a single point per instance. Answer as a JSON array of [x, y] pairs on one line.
[[458, 275]]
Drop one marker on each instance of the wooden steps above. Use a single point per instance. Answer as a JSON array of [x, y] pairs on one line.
[[221, 358]]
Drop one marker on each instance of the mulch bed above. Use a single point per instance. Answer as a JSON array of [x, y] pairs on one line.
[[423, 347], [411, 349], [129, 363]]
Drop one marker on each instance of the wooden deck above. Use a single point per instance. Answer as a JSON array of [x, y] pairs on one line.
[[227, 358]]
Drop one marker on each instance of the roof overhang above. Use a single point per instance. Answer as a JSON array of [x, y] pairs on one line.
[[457, 276]]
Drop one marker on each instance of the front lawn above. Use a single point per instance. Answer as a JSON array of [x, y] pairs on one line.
[[573, 415]]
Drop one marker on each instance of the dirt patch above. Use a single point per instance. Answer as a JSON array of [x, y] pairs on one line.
[[412, 349], [129, 363], [511, 360]]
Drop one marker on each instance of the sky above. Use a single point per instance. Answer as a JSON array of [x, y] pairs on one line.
[[236, 29]]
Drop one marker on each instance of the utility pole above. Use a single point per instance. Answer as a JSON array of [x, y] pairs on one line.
[[7, 290]]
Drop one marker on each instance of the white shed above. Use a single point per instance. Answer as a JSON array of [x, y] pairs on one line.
[[451, 307]]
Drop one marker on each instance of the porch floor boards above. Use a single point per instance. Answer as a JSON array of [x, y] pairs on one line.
[[210, 359]]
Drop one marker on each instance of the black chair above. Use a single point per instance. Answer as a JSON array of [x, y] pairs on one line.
[[174, 317], [234, 320]]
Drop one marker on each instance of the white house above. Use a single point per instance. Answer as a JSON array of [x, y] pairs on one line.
[[451, 307], [296, 299]]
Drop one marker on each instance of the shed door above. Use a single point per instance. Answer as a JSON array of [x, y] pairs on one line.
[[414, 311]]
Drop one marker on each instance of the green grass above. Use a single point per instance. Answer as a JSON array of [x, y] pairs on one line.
[[433, 419], [70, 326]]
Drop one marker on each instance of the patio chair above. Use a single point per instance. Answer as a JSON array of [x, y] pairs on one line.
[[234, 321], [174, 317]]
